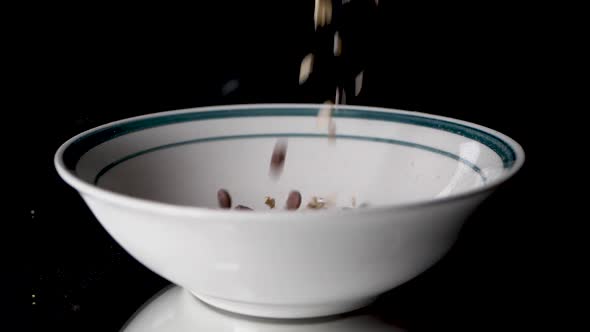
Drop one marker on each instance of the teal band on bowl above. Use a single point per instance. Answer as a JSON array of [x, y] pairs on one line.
[[290, 135], [79, 147]]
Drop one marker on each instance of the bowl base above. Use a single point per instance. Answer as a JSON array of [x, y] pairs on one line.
[[285, 310]]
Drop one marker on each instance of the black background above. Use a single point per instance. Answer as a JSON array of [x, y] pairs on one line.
[[79, 67]]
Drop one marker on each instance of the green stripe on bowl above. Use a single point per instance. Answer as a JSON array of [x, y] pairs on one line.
[[469, 164], [84, 143]]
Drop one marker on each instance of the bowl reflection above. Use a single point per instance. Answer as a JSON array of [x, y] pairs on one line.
[[175, 309]]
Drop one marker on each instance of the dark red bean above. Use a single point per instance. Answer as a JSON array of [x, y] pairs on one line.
[[241, 207], [224, 199], [293, 200], [277, 160]]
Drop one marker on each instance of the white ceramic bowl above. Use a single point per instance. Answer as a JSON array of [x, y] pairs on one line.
[[152, 182]]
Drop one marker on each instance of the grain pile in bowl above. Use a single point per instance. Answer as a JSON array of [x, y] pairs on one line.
[[323, 12], [294, 199]]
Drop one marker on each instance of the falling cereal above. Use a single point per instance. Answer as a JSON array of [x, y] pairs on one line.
[[337, 44], [358, 83], [277, 160], [316, 14], [332, 132], [306, 68], [322, 14], [340, 96], [229, 87], [325, 114], [328, 11]]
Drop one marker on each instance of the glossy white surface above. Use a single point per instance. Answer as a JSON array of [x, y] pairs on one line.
[[286, 264], [175, 309]]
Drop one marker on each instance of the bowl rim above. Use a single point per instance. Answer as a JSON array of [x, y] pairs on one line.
[[92, 190]]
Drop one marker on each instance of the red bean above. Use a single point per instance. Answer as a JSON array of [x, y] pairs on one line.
[[293, 200], [277, 161], [224, 199]]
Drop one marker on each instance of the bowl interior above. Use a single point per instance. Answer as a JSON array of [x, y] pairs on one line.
[[378, 157]]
